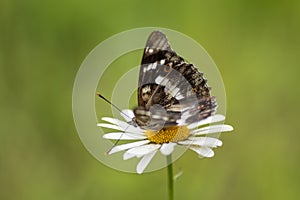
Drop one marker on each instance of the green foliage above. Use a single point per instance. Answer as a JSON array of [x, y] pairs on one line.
[[255, 45]]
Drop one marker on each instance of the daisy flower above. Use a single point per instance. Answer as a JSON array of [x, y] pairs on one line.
[[145, 143]]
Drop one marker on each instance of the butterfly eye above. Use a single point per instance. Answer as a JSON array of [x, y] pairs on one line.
[[167, 68]]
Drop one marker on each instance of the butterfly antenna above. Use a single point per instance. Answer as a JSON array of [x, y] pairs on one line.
[[116, 107], [115, 144]]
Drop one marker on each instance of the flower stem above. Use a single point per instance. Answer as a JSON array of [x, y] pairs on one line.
[[170, 177]]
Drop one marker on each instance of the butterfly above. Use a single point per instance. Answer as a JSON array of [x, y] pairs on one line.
[[171, 91]]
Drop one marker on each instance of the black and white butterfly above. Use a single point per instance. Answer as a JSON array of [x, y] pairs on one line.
[[171, 92]]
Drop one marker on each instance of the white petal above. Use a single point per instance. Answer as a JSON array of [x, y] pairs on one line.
[[211, 119], [202, 141], [127, 146], [127, 156], [144, 162], [203, 151], [212, 129], [123, 136], [127, 114], [167, 148], [110, 126], [140, 151], [135, 130], [123, 126], [115, 121]]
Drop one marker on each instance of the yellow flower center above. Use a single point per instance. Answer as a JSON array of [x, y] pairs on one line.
[[168, 134]]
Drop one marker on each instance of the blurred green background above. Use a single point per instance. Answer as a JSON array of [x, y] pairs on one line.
[[255, 45]]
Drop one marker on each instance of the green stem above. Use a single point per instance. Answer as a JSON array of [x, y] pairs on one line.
[[170, 177]]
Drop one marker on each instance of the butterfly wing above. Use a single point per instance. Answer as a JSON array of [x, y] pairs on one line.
[[170, 91]]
